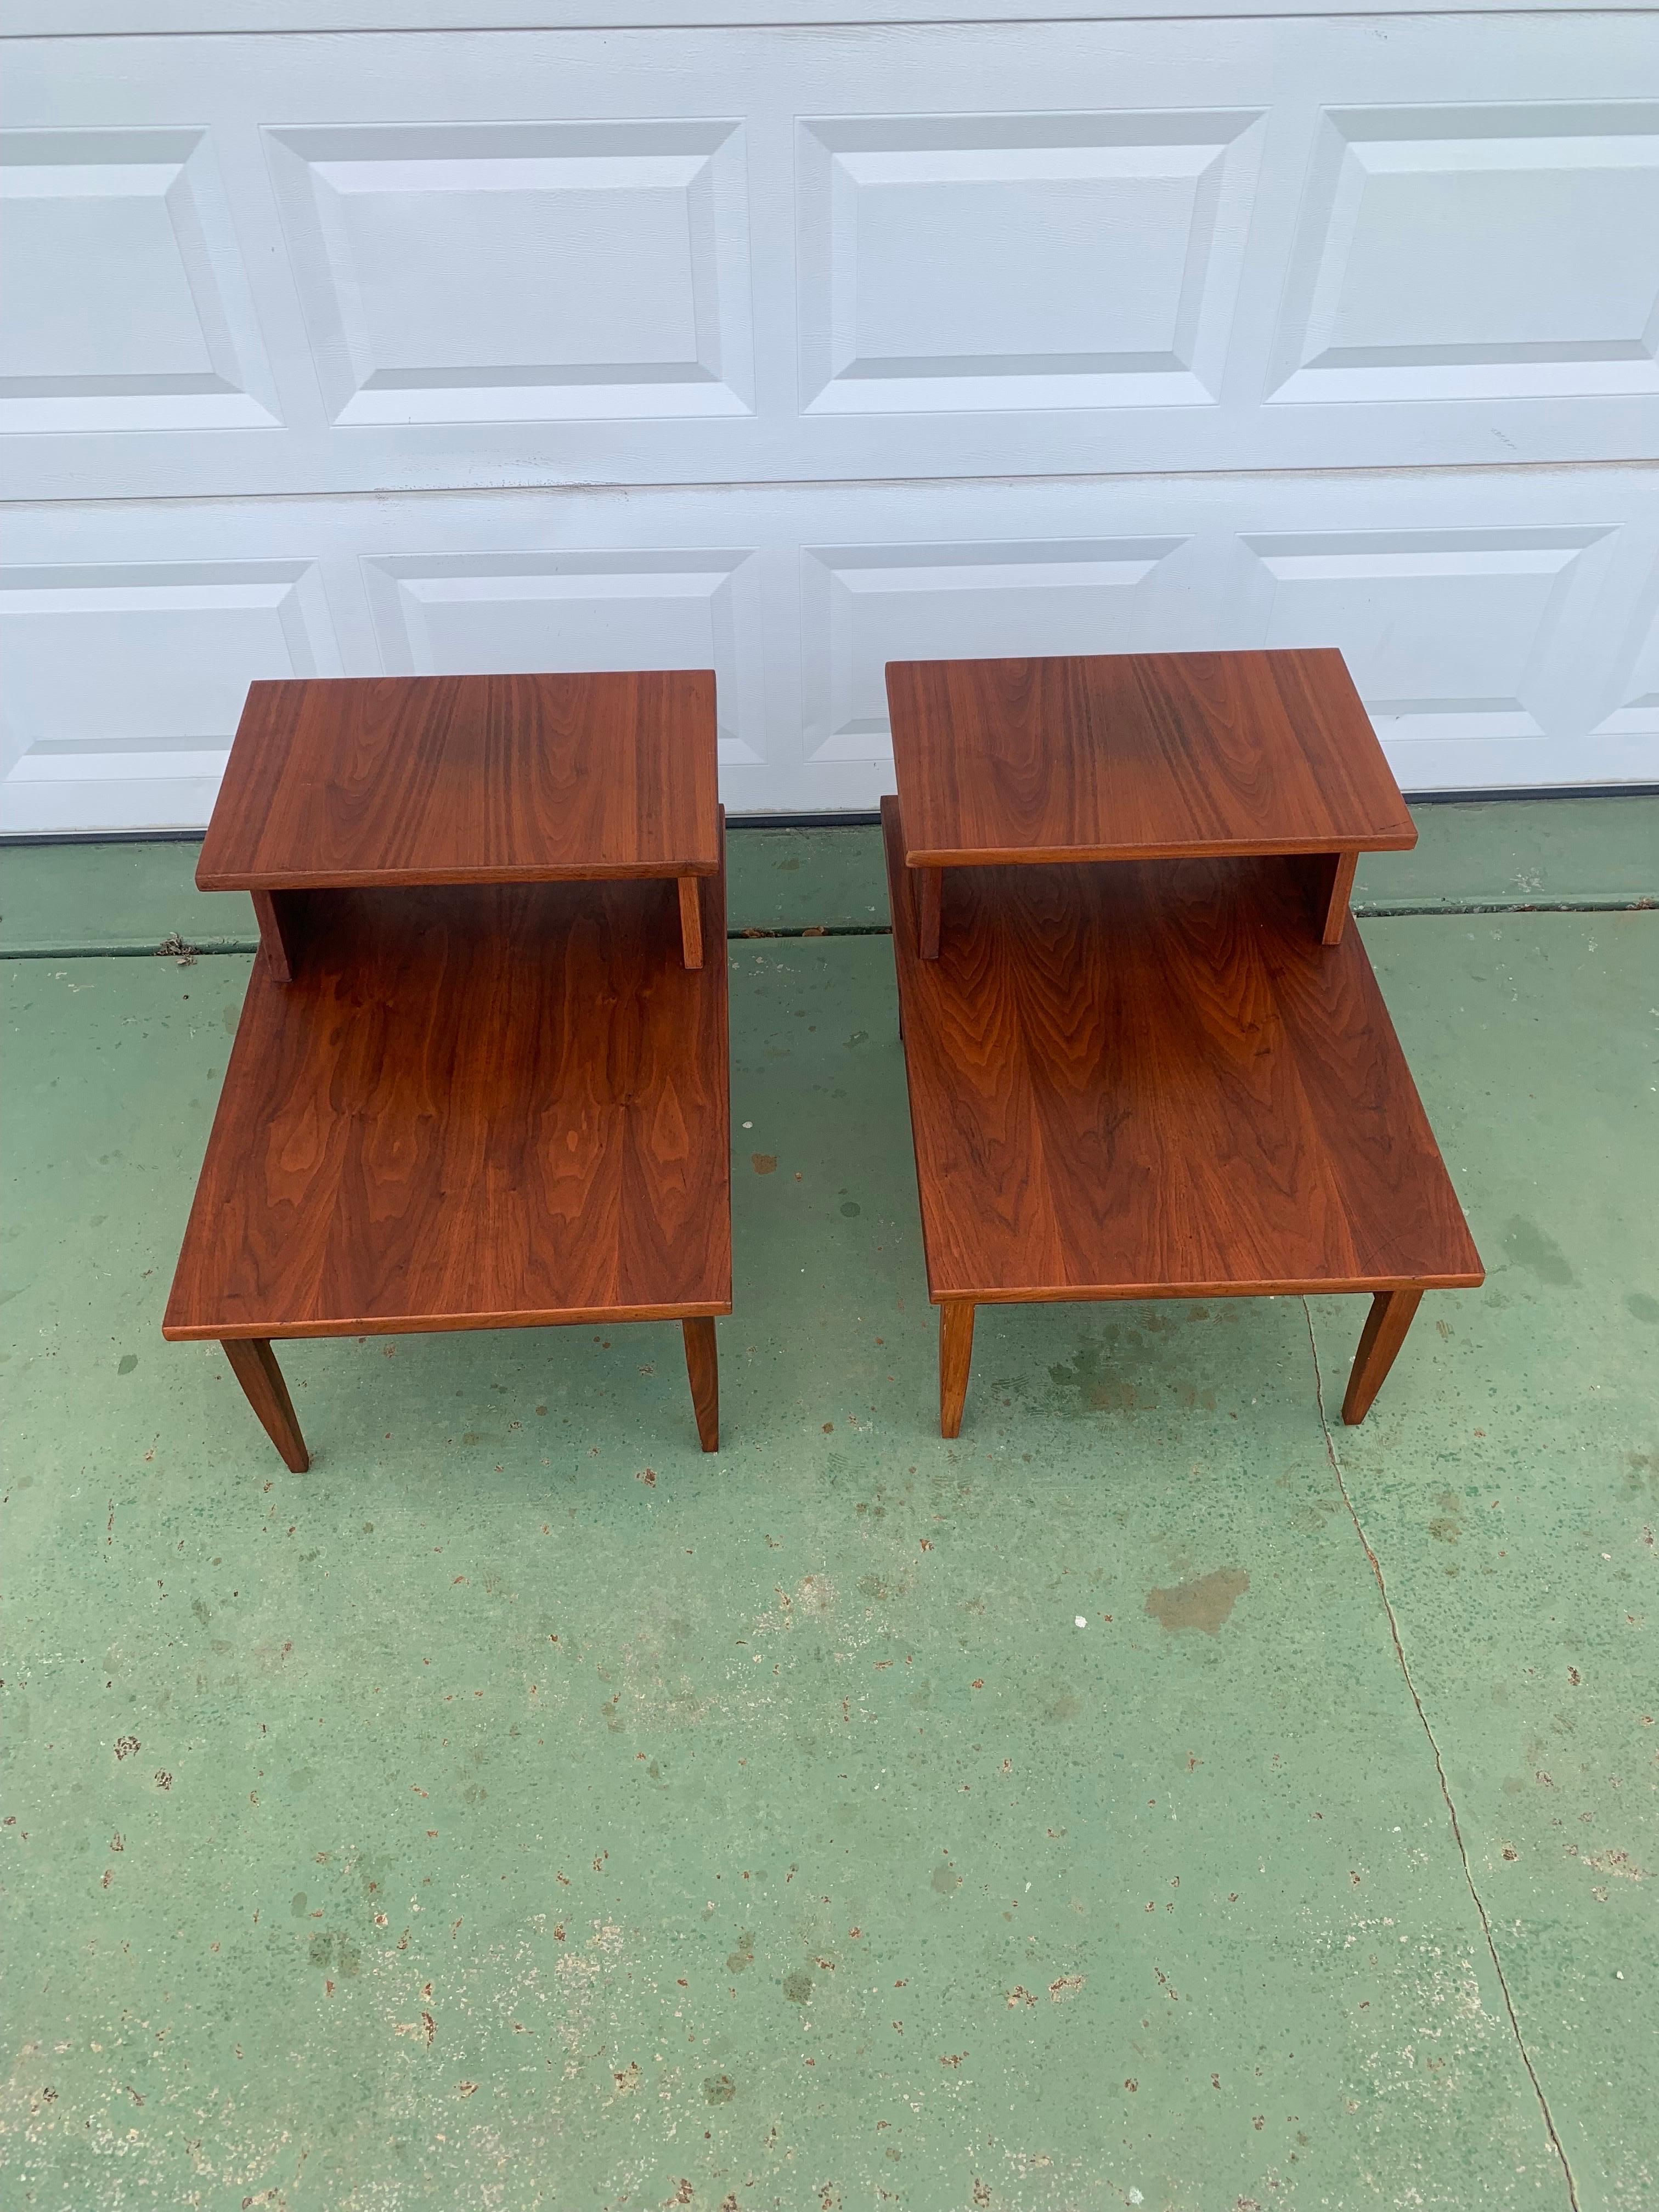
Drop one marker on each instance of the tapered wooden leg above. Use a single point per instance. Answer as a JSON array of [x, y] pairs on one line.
[[930, 899], [956, 1357], [691, 920], [280, 917], [253, 1363], [1384, 1333], [1335, 882], [703, 1366]]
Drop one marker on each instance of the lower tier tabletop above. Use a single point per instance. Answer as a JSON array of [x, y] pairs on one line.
[[474, 1108], [1150, 1080]]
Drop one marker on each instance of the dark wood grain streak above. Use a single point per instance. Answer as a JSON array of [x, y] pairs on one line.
[[1138, 757], [1150, 1079], [472, 1109], [427, 779]]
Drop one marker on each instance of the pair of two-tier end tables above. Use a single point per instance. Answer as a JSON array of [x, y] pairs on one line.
[[1147, 1059], [480, 1079]]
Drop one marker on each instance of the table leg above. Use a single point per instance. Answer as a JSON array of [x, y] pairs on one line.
[[703, 1366], [956, 1356], [691, 920], [930, 898], [1335, 881], [1384, 1333], [253, 1363], [279, 918]]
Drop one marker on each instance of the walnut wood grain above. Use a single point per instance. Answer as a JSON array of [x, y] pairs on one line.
[[1150, 1079], [1138, 757], [405, 779], [253, 1363], [280, 917], [472, 1109], [955, 1358], [1380, 1340], [1336, 886], [703, 1367], [930, 893], [691, 921]]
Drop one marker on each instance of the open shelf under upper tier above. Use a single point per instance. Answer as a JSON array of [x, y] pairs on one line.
[[1149, 1078], [472, 1108]]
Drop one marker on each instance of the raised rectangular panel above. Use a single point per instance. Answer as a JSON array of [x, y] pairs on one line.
[[1637, 714], [565, 612], [1020, 261], [865, 606], [126, 304], [523, 271], [1476, 253], [1444, 631], [124, 683]]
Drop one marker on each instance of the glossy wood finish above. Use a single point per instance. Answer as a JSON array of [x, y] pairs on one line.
[[280, 917], [691, 921], [467, 778], [1336, 886], [702, 1366], [1138, 757], [955, 1358], [930, 897], [1147, 1079], [472, 1109], [1390, 1316], [253, 1363]]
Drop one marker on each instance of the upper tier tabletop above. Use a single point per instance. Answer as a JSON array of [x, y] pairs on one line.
[[1139, 756], [467, 779], [471, 1109], [1151, 1080]]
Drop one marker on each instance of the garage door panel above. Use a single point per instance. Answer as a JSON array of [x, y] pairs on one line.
[[1501, 625], [125, 681], [514, 272], [763, 255], [127, 305], [1478, 253], [971, 263]]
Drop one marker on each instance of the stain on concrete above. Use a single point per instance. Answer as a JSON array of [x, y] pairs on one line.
[[1644, 1308], [1529, 1247], [1205, 1602], [763, 1162]]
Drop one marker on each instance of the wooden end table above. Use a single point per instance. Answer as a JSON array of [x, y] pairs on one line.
[[1146, 1061], [480, 1077]]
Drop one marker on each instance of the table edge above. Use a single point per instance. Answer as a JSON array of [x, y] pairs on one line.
[[950, 856], [349, 879], [1289, 1287], [442, 1324]]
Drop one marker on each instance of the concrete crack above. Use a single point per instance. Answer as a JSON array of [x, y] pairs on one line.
[[1440, 1770]]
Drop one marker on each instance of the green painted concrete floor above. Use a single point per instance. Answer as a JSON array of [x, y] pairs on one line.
[[522, 1810]]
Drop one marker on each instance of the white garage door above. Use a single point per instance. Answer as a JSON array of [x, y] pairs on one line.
[[790, 351]]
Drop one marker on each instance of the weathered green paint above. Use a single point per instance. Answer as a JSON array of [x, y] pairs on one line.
[[520, 1810], [93, 898]]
